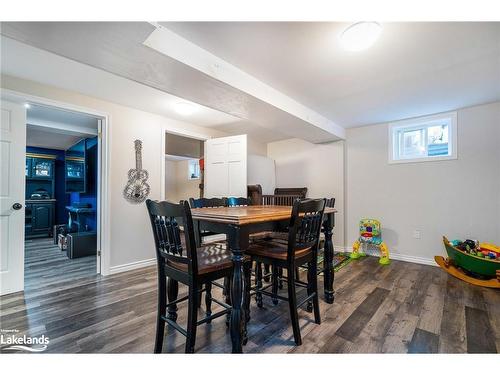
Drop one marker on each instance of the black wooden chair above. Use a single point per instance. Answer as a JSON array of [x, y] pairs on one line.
[[330, 202], [238, 201], [207, 202], [301, 247], [302, 192], [254, 193], [179, 260]]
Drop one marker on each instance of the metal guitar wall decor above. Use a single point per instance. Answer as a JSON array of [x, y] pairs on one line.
[[137, 189]]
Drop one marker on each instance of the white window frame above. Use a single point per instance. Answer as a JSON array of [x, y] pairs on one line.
[[419, 123], [189, 169]]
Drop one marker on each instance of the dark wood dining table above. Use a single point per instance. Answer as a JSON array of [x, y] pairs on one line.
[[238, 223]]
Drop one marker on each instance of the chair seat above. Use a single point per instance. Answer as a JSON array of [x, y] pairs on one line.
[[274, 249], [211, 257]]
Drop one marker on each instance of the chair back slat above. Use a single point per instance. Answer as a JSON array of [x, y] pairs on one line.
[[301, 192], [207, 202], [279, 200], [305, 225], [238, 201], [168, 236], [330, 202]]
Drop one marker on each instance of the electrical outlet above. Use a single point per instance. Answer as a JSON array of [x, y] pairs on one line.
[[416, 234]]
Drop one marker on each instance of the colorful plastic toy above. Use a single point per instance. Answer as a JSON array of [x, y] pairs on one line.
[[370, 233], [477, 264]]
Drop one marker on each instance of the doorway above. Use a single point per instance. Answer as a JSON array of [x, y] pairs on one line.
[[61, 196], [183, 167]]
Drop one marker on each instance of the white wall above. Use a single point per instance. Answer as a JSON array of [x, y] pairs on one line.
[[261, 170], [131, 241], [319, 167], [171, 180], [457, 198], [177, 185], [255, 147]]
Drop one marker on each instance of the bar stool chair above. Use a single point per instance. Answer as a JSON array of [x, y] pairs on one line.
[[301, 247], [179, 260]]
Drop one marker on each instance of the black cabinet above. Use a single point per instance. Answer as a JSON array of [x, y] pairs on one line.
[[40, 202], [39, 218], [43, 214]]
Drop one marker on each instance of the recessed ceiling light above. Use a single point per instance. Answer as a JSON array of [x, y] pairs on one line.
[[27, 105], [185, 108], [360, 36]]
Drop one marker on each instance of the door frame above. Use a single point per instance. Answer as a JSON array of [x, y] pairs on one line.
[[103, 151], [176, 131]]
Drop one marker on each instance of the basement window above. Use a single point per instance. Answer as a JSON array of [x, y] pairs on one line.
[[429, 138], [193, 169]]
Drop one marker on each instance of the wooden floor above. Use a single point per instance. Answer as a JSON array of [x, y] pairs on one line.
[[45, 264], [401, 308]]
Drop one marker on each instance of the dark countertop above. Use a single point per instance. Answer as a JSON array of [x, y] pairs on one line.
[[80, 210]]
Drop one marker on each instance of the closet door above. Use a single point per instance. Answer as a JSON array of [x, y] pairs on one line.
[[226, 167]]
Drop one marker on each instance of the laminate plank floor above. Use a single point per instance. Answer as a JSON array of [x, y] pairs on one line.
[[45, 264], [400, 308]]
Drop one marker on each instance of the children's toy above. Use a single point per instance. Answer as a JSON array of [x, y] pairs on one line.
[[471, 261], [370, 234]]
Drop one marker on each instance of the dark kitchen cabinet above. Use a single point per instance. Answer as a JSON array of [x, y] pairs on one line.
[[40, 202], [39, 218]]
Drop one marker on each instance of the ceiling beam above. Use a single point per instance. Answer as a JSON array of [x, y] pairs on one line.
[[117, 47], [176, 47]]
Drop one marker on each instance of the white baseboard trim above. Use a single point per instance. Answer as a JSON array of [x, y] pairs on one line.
[[413, 259], [395, 256], [341, 249], [132, 266]]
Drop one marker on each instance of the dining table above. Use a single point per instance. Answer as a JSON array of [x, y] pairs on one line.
[[238, 223]]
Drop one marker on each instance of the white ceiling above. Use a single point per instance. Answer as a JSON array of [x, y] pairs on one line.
[[412, 70], [49, 127], [48, 138], [38, 113], [23, 61]]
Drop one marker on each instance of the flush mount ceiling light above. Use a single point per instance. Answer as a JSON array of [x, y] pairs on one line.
[[360, 36], [27, 105], [185, 108]]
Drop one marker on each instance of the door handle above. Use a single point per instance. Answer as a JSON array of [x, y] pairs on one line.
[[17, 206]]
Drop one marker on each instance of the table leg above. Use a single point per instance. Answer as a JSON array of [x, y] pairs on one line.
[[328, 271], [238, 319]]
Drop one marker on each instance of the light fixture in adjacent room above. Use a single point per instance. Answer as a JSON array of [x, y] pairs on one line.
[[185, 108], [360, 36], [27, 105]]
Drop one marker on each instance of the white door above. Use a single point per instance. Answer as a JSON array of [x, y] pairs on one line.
[[99, 190], [226, 167], [12, 185]]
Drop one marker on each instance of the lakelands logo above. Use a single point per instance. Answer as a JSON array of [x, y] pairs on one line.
[[23, 343]]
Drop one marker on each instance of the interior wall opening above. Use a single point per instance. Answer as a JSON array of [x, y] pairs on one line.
[[184, 174], [61, 202]]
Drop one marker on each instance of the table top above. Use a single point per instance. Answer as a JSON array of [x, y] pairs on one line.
[[241, 215]]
